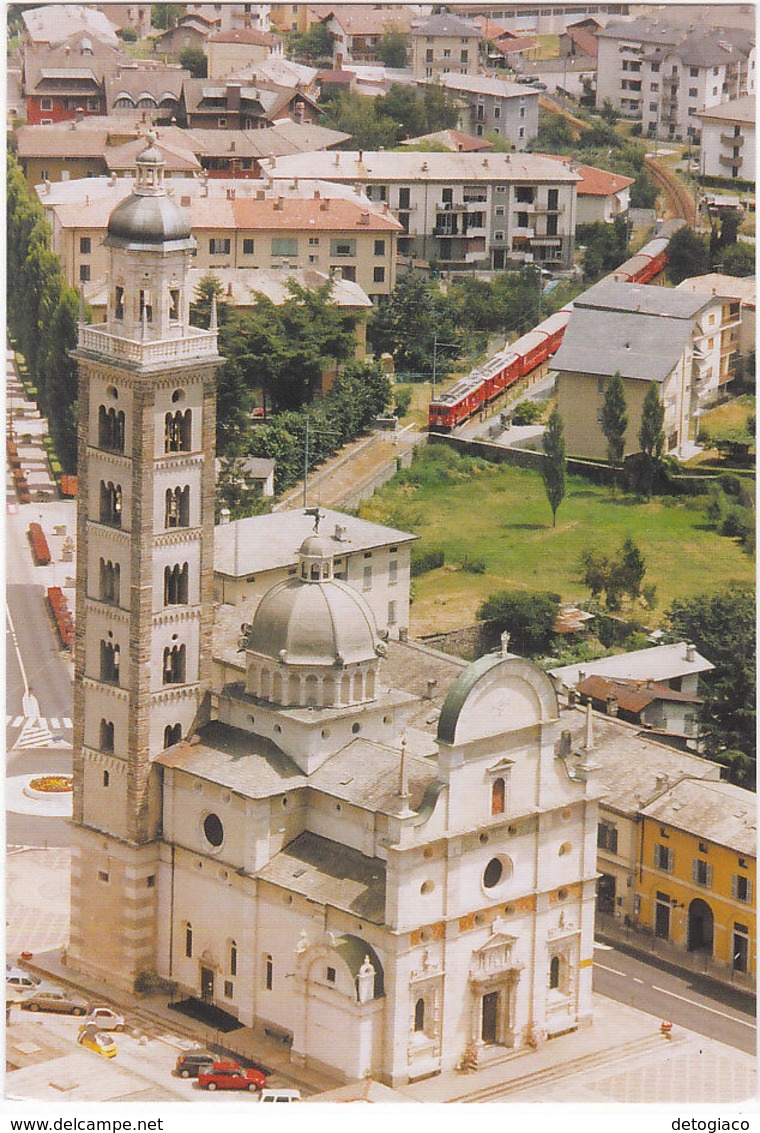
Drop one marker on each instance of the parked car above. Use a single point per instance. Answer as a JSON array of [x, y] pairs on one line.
[[190, 1064], [98, 1041], [105, 1019], [54, 1000], [280, 1096], [16, 979], [230, 1076]]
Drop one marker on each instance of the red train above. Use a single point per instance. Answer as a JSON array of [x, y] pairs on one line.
[[502, 370]]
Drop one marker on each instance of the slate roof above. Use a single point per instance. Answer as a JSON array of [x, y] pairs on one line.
[[54, 23], [737, 110], [715, 812], [250, 765], [485, 84], [330, 874], [454, 140], [660, 663], [247, 35], [725, 286], [361, 19], [637, 298], [356, 166], [446, 25]]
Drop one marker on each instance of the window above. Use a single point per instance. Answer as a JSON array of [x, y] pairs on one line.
[[228, 989], [607, 837], [176, 585], [174, 304], [692, 92], [694, 72], [85, 245], [552, 225], [419, 1016], [248, 247], [653, 107], [379, 247], [342, 247], [174, 665], [447, 52], [178, 431], [522, 220], [524, 194], [378, 275], [740, 947], [110, 429], [701, 873], [663, 857], [213, 830], [741, 888], [188, 940], [553, 199], [103, 876], [404, 197], [393, 572], [177, 511], [106, 778], [106, 738], [172, 734], [331, 975], [554, 972], [522, 111], [110, 578], [367, 578], [313, 241], [233, 958], [46, 104], [110, 504], [218, 247], [655, 87], [268, 972], [498, 796], [110, 659], [284, 246], [150, 881], [118, 306], [464, 56], [655, 67], [146, 307], [84, 273]]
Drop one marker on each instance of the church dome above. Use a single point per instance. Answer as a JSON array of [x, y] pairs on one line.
[[149, 217], [325, 623]]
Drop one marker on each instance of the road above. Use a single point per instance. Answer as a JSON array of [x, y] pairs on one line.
[[685, 1000]]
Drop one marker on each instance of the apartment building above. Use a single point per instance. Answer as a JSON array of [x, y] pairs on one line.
[[645, 334], [733, 291], [728, 139], [230, 51], [462, 209], [444, 45], [492, 106], [232, 15], [665, 74], [333, 235], [359, 29]]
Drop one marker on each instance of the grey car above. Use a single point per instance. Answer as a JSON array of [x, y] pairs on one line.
[[53, 999]]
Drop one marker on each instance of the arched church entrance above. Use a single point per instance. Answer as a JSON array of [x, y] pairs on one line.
[[700, 933]]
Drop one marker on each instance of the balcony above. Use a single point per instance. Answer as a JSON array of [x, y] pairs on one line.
[[450, 206], [194, 345], [730, 160], [732, 140]]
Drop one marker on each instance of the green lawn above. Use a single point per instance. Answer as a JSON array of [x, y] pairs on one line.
[[500, 515]]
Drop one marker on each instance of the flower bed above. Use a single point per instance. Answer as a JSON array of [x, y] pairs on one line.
[[49, 785]]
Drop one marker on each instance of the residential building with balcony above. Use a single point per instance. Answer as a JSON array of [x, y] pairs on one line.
[[728, 139], [492, 106], [645, 334], [665, 74], [443, 45], [732, 289], [465, 210], [359, 29]]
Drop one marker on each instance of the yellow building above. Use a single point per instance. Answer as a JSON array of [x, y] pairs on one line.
[[696, 876]]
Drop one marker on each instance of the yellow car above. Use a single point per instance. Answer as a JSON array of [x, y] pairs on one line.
[[98, 1041]]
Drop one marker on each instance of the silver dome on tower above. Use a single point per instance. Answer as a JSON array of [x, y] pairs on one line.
[[149, 218]]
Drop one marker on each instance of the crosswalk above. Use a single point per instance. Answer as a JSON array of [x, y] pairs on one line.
[[38, 731]]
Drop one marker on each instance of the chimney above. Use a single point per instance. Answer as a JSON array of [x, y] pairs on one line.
[[233, 96], [230, 194], [589, 740], [565, 742], [661, 781], [403, 633], [324, 205], [232, 147], [224, 515], [278, 204], [612, 705], [337, 273], [79, 112], [261, 195], [581, 676], [298, 110], [337, 157], [690, 652], [430, 687], [361, 156], [364, 219]]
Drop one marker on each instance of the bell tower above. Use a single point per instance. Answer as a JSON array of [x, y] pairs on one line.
[[145, 525]]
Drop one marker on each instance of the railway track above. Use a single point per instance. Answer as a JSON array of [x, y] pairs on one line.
[[680, 202]]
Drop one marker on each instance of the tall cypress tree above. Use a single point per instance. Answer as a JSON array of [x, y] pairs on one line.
[[554, 463], [615, 419]]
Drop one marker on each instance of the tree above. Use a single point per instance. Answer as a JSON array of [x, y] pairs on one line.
[[194, 60], [738, 259], [651, 437], [316, 43], [688, 255], [606, 246], [615, 418], [392, 49], [406, 323], [721, 624], [165, 16], [208, 287], [528, 617], [608, 112], [554, 462], [633, 567], [614, 575]]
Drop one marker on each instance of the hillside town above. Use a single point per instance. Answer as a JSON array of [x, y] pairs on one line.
[[380, 521]]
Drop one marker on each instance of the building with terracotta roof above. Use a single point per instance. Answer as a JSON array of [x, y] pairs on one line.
[[728, 139], [443, 45], [601, 195], [358, 29], [453, 140], [189, 31], [654, 706], [229, 52], [579, 40], [239, 104]]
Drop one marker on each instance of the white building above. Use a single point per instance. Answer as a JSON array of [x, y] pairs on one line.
[[465, 209], [315, 845], [494, 106], [665, 74], [733, 290], [252, 555], [728, 139], [679, 666]]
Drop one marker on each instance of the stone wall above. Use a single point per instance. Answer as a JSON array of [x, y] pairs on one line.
[[469, 642]]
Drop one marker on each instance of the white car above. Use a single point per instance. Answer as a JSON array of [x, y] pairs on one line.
[[104, 1019], [280, 1096], [16, 979]]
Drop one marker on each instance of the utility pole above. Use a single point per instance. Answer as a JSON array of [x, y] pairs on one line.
[[436, 344], [322, 432]]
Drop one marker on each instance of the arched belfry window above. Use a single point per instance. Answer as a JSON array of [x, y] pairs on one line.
[[111, 429], [110, 660], [419, 1015], [178, 431], [172, 734], [177, 512], [110, 503], [174, 665], [555, 971], [176, 585]]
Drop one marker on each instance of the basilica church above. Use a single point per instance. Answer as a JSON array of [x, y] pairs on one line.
[[361, 845]]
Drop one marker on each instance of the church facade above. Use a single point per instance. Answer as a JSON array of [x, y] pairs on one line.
[[391, 884]]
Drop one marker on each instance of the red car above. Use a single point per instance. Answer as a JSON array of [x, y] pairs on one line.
[[230, 1076]]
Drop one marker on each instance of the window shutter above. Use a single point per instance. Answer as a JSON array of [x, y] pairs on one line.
[[734, 886], [749, 890], [695, 870], [708, 878], [656, 855], [613, 839], [670, 861]]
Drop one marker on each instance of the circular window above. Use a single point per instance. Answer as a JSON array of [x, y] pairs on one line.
[[356, 728], [213, 829], [178, 395], [427, 853], [497, 871], [483, 839], [565, 848], [278, 728], [561, 894], [226, 796], [512, 830], [480, 918], [509, 910], [425, 935], [325, 733], [427, 887], [387, 720], [566, 814], [284, 803]]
